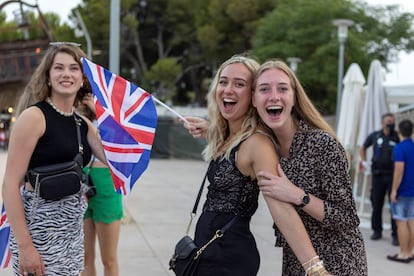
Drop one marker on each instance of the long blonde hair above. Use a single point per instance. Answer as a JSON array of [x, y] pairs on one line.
[[303, 108], [37, 89], [218, 130]]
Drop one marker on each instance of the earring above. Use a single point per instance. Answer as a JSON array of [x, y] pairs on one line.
[[81, 84], [49, 84]]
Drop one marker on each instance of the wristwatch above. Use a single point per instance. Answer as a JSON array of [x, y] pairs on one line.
[[305, 200]]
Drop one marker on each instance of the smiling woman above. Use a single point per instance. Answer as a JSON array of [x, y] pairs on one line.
[[312, 174], [36, 141]]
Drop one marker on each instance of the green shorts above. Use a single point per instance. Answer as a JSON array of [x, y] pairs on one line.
[[106, 205]]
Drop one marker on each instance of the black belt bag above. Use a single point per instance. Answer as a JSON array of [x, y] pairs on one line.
[[53, 182], [56, 181]]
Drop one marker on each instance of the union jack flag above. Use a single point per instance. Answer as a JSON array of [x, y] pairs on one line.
[[127, 119], [5, 254]]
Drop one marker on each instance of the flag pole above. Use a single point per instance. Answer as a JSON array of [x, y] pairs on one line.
[[170, 109]]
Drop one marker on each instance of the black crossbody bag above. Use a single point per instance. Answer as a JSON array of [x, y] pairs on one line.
[[53, 182], [187, 253]]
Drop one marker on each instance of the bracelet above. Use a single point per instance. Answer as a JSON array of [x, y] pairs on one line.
[[319, 272], [317, 267], [310, 261]]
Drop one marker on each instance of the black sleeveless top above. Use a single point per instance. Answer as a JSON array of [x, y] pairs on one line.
[[230, 191], [59, 143]]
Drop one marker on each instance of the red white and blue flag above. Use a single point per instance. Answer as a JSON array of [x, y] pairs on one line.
[[127, 119], [5, 254]]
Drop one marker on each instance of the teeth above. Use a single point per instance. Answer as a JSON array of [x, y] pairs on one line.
[[229, 101], [274, 108]]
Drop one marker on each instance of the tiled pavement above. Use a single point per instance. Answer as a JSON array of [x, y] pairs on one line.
[[158, 211]]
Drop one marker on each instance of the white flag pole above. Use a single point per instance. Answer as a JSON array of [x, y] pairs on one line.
[[170, 109]]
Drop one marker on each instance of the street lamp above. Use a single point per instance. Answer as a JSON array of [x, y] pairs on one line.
[[84, 32], [142, 11], [342, 25], [293, 63], [22, 20]]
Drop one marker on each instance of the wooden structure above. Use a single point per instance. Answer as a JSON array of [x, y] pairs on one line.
[[19, 58]]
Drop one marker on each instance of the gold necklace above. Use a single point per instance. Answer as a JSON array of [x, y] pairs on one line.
[[66, 114]]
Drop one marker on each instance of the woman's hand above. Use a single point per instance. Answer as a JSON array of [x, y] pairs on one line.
[[197, 127], [30, 261], [88, 101], [279, 187]]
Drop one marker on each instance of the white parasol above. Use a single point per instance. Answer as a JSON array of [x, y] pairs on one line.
[[375, 104], [351, 107], [374, 107]]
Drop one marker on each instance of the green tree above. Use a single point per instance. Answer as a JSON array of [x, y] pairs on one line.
[[163, 74], [304, 29], [225, 27]]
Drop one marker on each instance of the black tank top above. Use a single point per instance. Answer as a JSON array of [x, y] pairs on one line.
[[230, 191], [59, 143]]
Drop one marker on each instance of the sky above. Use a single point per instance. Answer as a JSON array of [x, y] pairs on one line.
[[400, 73], [61, 7]]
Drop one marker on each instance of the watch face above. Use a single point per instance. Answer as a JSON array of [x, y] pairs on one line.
[[305, 199]]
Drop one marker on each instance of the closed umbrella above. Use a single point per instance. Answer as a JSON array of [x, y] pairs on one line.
[[374, 107], [375, 104], [351, 107]]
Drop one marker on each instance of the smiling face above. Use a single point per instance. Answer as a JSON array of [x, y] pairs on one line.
[[233, 92], [65, 74], [274, 98]]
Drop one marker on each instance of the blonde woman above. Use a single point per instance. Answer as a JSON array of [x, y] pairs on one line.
[[238, 148], [313, 173]]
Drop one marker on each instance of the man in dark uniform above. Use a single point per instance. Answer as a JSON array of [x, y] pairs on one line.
[[382, 167]]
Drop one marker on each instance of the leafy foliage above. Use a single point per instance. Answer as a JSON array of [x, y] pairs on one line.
[[174, 46], [307, 32], [163, 74]]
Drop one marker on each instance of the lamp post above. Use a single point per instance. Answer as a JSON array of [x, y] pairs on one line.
[[142, 11], [84, 33], [114, 36], [342, 25], [22, 20], [293, 63]]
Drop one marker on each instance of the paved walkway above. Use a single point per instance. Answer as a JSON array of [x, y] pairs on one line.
[[157, 214]]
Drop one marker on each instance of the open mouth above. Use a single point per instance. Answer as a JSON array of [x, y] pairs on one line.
[[228, 102], [274, 110]]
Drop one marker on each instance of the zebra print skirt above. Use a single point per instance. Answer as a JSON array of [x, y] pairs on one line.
[[56, 228]]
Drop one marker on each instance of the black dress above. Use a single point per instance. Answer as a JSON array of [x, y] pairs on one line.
[[229, 193]]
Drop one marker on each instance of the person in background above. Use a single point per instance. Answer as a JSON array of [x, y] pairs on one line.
[[3, 145], [47, 235], [383, 142], [313, 173], [402, 192], [103, 216], [237, 149]]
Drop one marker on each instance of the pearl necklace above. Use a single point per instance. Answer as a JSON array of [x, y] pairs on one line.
[[66, 114]]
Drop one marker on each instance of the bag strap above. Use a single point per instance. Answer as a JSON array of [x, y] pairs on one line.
[[194, 212], [200, 192], [78, 157], [78, 123], [220, 232]]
